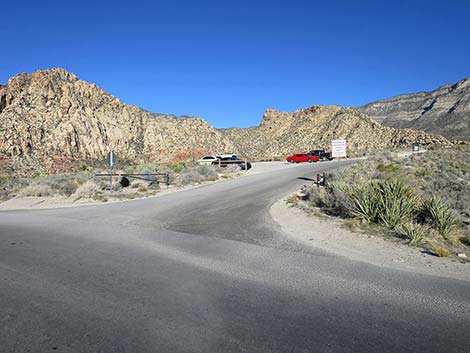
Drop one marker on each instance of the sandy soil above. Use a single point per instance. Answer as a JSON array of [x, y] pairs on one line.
[[327, 233]]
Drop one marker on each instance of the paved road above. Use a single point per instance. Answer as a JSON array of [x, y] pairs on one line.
[[207, 270]]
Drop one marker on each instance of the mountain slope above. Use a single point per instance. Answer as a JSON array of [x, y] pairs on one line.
[[50, 120], [51, 115], [282, 133], [445, 111]]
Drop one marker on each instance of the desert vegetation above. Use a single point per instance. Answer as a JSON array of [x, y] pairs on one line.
[[423, 199], [84, 185]]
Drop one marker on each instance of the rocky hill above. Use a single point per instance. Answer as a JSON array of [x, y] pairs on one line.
[[445, 111], [50, 121], [282, 133], [51, 118]]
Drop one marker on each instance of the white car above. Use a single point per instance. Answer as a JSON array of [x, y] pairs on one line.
[[226, 156], [208, 159]]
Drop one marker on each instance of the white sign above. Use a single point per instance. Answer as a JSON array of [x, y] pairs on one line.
[[111, 158], [338, 148]]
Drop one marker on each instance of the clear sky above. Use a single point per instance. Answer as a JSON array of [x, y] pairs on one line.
[[227, 61]]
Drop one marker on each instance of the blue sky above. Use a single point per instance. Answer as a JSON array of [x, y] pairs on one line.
[[227, 61]]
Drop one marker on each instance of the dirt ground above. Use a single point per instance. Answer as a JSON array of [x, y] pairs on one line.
[[327, 233]]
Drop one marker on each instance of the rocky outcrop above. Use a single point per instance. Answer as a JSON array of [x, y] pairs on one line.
[[445, 111], [51, 115], [282, 133], [51, 119]]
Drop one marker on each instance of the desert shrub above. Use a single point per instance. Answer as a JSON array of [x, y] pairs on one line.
[[36, 189], [63, 184], [413, 231], [196, 174], [142, 188], [177, 166], [437, 213], [292, 200], [396, 202], [441, 251], [336, 200], [83, 167], [87, 190], [365, 201], [206, 170], [388, 168], [145, 167], [315, 196]]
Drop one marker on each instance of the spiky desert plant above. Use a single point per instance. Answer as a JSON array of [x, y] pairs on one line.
[[438, 214], [414, 232], [397, 202], [365, 199]]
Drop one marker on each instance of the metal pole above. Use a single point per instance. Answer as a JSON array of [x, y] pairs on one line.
[[111, 178], [111, 164]]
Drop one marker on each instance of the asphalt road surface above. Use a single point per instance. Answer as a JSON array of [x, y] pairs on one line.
[[207, 270]]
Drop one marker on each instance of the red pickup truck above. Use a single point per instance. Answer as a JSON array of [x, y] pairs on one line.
[[302, 157]]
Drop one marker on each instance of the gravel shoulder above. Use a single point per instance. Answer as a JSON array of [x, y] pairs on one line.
[[327, 233]]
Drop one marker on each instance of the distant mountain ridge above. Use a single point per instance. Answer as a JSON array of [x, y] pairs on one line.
[[444, 111], [283, 133], [50, 119]]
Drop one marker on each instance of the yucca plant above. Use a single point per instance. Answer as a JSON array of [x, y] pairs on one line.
[[396, 201], [438, 214], [413, 231], [365, 198]]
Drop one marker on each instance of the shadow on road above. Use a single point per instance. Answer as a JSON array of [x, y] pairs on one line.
[[307, 179]]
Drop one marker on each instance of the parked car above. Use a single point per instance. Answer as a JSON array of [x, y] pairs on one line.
[[302, 157], [322, 154], [214, 158], [208, 159], [227, 161]]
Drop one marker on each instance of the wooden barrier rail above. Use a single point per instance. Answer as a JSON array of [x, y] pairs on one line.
[[150, 177]]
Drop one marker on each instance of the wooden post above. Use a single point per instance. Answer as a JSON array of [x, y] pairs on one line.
[[246, 165], [219, 162]]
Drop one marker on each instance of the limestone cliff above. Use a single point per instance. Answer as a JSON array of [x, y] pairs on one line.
[[445, 111]]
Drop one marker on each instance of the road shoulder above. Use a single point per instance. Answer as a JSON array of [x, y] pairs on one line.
[[327, 233]]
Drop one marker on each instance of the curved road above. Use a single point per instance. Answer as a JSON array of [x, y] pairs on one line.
[[207, 270]]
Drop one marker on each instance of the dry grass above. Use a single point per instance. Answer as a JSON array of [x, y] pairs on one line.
[[292, 200], [441, 251], [87, 190]]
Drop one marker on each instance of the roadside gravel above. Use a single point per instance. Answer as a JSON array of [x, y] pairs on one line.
[[327, 233]]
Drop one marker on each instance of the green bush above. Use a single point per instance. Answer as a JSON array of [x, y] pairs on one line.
[[438, 214], [396, 202], [388, 168], [365, 199]]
